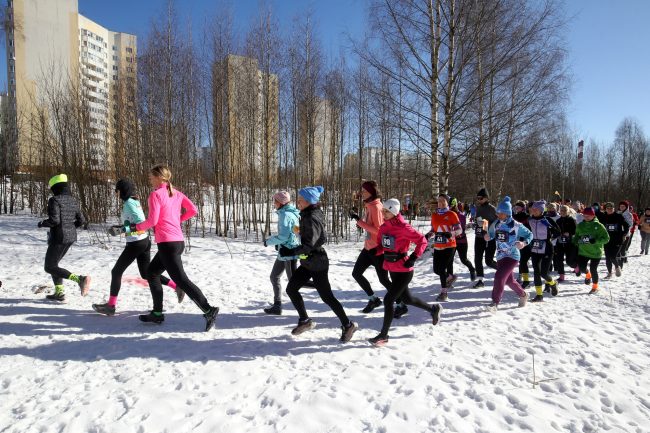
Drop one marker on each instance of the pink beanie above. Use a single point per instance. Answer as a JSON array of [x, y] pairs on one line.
[[282, 197]]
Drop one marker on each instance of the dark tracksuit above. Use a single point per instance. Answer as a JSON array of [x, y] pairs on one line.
[[522, 217], [486, 212], [544, 230], [564, 247], [617, 228], [315, 265], [64, 217]]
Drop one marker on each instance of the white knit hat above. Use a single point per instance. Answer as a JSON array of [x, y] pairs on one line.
[[392, 205]]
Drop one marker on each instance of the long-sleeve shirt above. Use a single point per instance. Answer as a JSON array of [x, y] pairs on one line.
[[396, 236], [165, 214], [371, 222]]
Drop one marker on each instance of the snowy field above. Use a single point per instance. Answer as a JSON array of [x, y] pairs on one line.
[[64, 368]]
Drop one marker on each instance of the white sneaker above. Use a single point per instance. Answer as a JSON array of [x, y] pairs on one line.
[[492, 308], [523, 300], [618, 271], [608, 276]]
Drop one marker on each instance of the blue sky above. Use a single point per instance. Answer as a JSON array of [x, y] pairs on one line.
[[607, 40]]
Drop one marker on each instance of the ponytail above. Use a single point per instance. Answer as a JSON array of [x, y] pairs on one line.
[[163, 172]]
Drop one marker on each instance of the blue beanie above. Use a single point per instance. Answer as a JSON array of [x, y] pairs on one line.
[[540, 205], [311, 193], [505, 206]]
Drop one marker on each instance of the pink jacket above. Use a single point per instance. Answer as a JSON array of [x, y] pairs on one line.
[[396, 235], [165, 214], [371, 222]]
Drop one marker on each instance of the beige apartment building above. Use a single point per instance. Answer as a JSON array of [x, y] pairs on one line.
[[51, 46], [248, 99]]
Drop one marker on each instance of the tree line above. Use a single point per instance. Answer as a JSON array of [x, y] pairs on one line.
[[439, 96]]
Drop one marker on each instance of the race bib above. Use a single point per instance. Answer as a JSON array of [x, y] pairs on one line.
[[538, 244], [585, 239], [479, 231], [388, 242], [564, 239], [612, 227], [502, 237], [440, 239], [647, 220]]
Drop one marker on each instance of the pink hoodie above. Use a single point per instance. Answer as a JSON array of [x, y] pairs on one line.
[[396, 235], [371, 223], [165, 214]]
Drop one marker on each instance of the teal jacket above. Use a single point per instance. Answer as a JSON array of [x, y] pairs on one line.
[[132, 212], [588, 232], [288, 218]]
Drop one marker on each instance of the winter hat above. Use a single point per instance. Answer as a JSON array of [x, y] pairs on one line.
[[626, 203], [59, 178], [311, 193], [541, 205], [371, 187], [589, 211], [392, 205], [596, 206], [125, 187], [461, 207], [453, 202], [552, 207], [282, 197], [609, 204], [482, 193], [505, 206], [521, 204]]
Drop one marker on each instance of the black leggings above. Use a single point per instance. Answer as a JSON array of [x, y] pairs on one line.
[[442, 261], [541, 268], [612, 256], [481, 247], [523, 261], [366, 259], [138, 250], [561, 251], [54, 254], [168, 258], [400, 289], [461, 248], [322, 284], [593, 267]]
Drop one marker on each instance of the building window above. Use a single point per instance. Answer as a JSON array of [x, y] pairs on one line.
[[129, 59], [114, 57], [115, 77], [129, 49], [114, 48], [114, 68]]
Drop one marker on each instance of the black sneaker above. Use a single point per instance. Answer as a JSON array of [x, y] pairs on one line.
[[587, 281], [105, 309], [372, 304], [400, 310], [479, 284], [547, 288], [554, 289], [472, 275], [303, 326], [275, 309], [348, 332], [538, 298], [56, 297], [84, 284], [379, 340], [152, 318], [436, 309], [442, 297], [525, 284], [210, 317]]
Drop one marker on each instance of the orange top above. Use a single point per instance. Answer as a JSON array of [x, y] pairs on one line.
[[446, 223], [371, 222]]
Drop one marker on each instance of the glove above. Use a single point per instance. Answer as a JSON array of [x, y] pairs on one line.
[[40, 224], [354, 215], [428, 235], [592, 240], [276, 248], [520, 245], [448, 235], [287, 252], [410, 262], [115, 230], [486, 237], [264, 242]]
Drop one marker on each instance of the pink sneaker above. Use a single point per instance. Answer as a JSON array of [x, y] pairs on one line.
[[561, 278]]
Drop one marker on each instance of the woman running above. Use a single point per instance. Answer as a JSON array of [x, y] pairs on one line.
[[590, 238]]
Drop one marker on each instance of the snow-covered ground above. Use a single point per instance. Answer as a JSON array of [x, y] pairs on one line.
[[64, 368]]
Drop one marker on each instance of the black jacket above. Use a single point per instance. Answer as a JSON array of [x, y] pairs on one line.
[[616, 227], [312, 239], [567, 225], [64, 217]]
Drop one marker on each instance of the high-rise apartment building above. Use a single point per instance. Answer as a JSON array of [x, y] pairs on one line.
[[51, 47], [248, 101], [315, 138]]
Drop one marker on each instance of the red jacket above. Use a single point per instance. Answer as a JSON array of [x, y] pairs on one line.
[[371, 222], [447, 223], [396, 236]]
